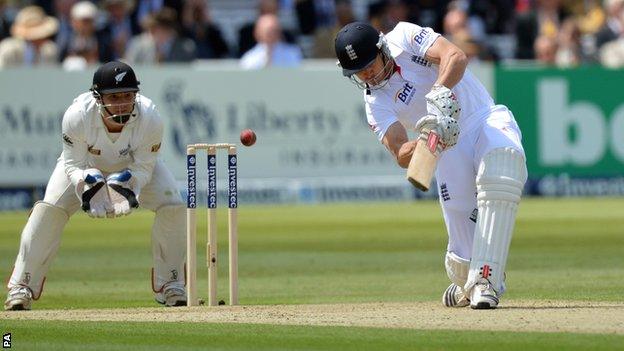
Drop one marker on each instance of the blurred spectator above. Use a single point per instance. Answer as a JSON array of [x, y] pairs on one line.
[[246, 36], [119, 25], [569, 53], [591, 17], [30, 42], [396, 11], [523, 6], [145, 8], [62, 9], [324, 37], [86, 44], [456, 30], [306, 16], [384, 15], [4, 22], [46, 5], [198, 26], [612, 54], [270, 50], [161, 42], [376, 12], [546, 50], [614, 25], [455, 20], [544, 20], [490, 17], [313, 15], [473, 50], [430, 13]]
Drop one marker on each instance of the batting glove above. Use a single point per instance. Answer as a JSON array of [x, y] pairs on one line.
[[447, 128], [442, 102]]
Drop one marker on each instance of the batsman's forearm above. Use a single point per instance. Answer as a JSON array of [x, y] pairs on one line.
[[452, 68], [404, 155]]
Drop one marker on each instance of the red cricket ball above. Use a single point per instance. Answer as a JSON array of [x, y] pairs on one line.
[[247, 137]]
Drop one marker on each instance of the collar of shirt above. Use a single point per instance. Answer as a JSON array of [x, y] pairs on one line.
[[397, 68]]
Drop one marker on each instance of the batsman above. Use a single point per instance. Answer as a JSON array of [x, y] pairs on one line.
[[109, 166], [414, 79]]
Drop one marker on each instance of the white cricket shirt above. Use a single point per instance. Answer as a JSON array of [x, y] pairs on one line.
[[403, 97], [87, 143]]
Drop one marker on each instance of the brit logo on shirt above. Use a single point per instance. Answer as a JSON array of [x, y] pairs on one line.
[[421, 36], [405, 94]]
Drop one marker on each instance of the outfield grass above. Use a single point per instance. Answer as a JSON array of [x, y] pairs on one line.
[[63, 336], [562, 250]]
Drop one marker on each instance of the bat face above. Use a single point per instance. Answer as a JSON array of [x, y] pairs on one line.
[[423, 162]]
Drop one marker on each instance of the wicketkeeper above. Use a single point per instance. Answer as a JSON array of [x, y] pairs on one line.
[[109, 166]]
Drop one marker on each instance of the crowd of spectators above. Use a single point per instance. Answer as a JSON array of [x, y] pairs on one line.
[[80, 33]]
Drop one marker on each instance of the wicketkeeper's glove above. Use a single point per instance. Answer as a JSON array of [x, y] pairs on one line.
[[94, 194], [122, 195]]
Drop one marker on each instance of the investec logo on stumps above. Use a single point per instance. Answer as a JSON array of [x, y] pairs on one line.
[[191, 199], [212, 181], [232, 186]]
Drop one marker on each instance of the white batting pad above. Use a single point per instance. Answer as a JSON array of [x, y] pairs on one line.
[[500, 179], [456, 269], [39, 244], [169, 246]]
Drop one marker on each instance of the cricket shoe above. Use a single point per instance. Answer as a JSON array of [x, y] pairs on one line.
[[483, 296], [19, 298], [454, 297], [171, 296]]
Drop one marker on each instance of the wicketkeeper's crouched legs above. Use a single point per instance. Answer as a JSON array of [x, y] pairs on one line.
[[169, 254], [500, 180], [39, 244]]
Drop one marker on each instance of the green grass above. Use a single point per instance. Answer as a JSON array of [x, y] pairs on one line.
[[36, 335], [564, 249]]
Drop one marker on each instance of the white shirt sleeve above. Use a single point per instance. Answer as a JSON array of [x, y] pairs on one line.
[[75, 146], [255, 58], [416, 38], [379, 119], [146, 153]]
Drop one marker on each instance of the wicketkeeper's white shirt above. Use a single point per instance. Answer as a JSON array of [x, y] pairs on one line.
[[88, 144], [403, 98]]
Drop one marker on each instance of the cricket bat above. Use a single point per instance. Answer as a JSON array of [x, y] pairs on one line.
[[424, 160]]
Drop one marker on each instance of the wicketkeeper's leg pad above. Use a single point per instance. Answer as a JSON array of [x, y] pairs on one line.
[[500, 180], [169, 246], [39, 244]]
